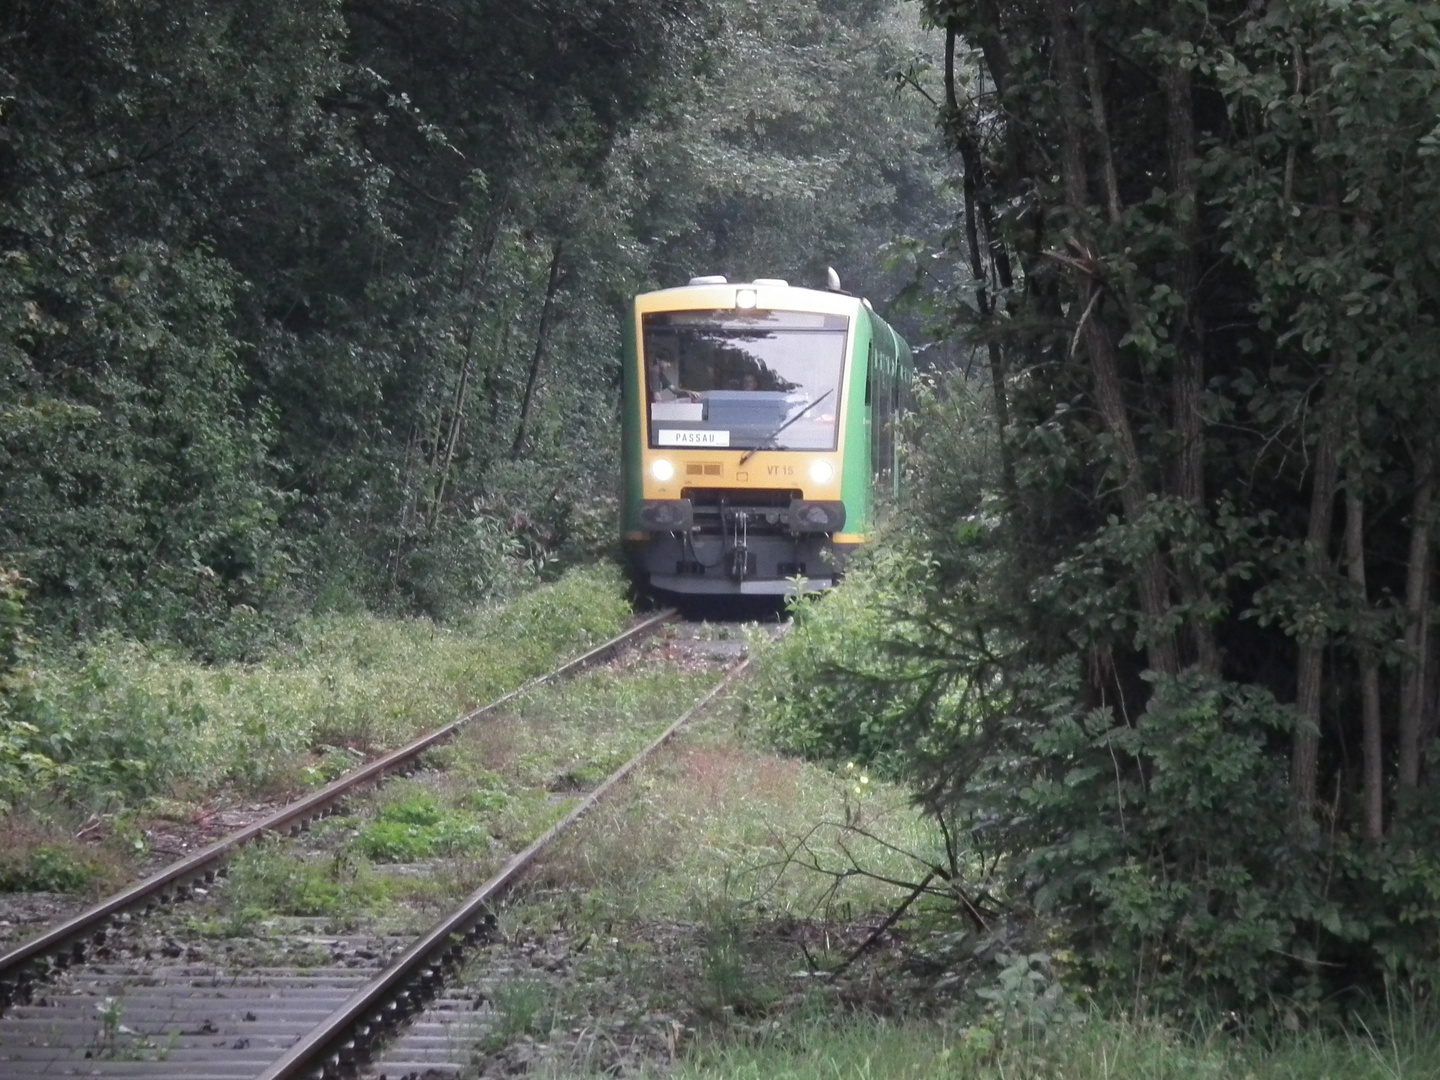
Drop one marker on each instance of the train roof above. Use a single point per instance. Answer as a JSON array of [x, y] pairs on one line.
[[718, 293]]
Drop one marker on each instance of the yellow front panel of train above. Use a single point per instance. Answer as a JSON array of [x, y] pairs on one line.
[[814, 475]]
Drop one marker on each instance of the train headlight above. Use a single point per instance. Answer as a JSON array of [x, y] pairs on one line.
[[662, 470], [822, 472], [746, 298]]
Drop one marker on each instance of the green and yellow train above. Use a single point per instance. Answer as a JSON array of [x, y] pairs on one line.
[[759, 430]]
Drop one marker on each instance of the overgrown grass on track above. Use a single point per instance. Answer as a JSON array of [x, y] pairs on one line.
[[716, 822], [125, 728], [408, 851], [691, 890]]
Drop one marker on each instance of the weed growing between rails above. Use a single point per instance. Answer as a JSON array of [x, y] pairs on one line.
[[682, 913], [129, 735], [117, 1041], [403, 854]]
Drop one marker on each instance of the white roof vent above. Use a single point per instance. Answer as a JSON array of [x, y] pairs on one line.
[[709, 279], [778, 282]]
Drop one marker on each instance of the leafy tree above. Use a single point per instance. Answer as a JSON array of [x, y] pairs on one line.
[[322, 298], [793, 154], [1176, 643], [294, 232], [135, 487]]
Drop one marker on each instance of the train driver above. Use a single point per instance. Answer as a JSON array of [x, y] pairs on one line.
[[666, 382]]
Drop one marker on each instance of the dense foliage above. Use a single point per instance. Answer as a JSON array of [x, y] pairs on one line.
[[126, 725], [318, 302], [1169, 652]]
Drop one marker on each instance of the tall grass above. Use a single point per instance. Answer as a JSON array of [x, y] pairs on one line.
[[124, 722], [713, 822], [1405, 1047]]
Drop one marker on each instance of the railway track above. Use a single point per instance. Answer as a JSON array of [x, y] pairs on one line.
[[108, 994]]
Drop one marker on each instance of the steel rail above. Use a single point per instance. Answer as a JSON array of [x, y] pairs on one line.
[[68, 939], [332, 1048]]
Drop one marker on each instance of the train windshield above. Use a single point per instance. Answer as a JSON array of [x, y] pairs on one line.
[[748, 380]]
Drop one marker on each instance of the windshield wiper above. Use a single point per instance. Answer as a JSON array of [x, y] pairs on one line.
[[771, 437]]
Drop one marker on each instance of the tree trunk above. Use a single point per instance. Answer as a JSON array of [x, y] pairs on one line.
[[1417, 618], [1305, 746], [1431, 690], [971, 179], [1101, 120], [452, 441], [495, 370], [473, 283], [1153, 587], [1187, 380], [1371, 746], [537, 360]]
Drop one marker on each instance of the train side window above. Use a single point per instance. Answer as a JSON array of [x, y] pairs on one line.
[[880, 416], [869, 374]]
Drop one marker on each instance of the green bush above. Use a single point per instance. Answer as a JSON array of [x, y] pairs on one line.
[[1166, 844], [587, 604], [456, 565], [22, 764], [106, 739], [833, 688], [487, 790], [1159, 844], [266, 880], [83, 725], [1397, 883], [135, 483], [48, 868], [418, 828]]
